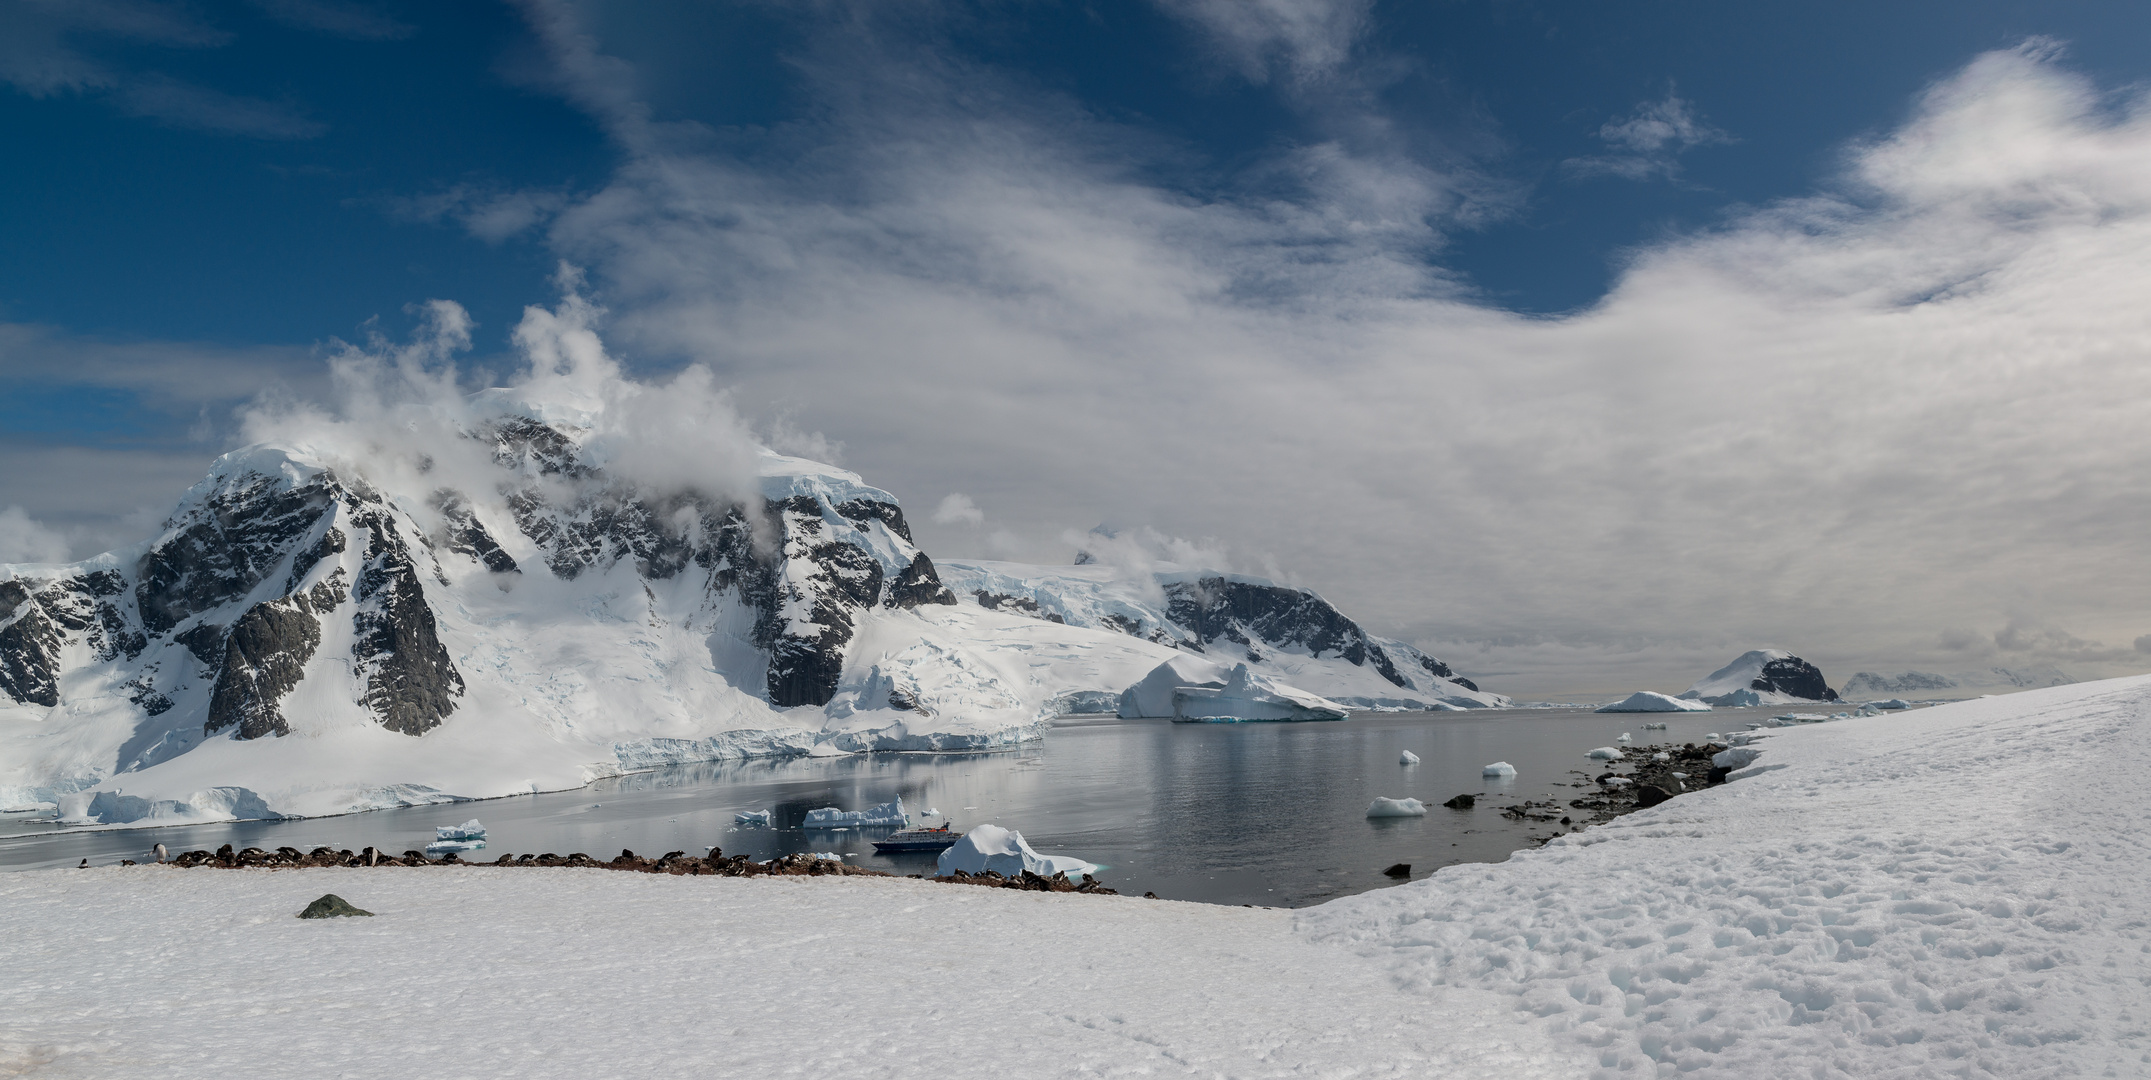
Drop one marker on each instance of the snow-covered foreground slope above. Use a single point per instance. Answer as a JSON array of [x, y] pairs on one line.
[[1955, 892], [1959, 891], [117, 974]]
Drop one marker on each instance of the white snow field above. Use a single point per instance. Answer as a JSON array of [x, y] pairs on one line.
[[1954, 892], [1651, 701]]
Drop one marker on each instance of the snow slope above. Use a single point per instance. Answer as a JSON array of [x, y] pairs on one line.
[[1281, 632], [1953, 892], [1949, 892], [587, 973]]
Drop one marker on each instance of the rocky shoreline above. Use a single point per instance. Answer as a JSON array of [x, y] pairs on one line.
[[1648, 783], [678, 863]]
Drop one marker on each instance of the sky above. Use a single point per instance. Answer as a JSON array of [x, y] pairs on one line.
[[1584, 344]]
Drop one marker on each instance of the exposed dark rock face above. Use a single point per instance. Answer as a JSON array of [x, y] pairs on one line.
[[1796, 677], [919, 584], [410, 682], [1443, 671], [1022, 605], [1243, 612], [265, 656], [465, 535], [29, 648], [225, 547]]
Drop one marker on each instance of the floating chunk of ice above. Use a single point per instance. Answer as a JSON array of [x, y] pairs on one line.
[[1605, 753], [991, 847], [1655, 725], [1248, 696], [753, 817], [1396, 808], [1408, 758], [1661, 756], [888, 813], [1713, 737], [1499, 768], [455, 845], [469, 830], [1614, 783], [1625, 738]]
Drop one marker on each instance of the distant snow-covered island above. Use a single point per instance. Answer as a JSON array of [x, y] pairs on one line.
[[1903, 896]]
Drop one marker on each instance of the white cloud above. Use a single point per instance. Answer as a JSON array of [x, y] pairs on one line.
[[1262, 38], [1649, 141], [957, 509], [26, 540]]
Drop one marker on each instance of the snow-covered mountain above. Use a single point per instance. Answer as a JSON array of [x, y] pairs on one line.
[[1762, 677], [1290, 634], [1959, 684], [312, 635]]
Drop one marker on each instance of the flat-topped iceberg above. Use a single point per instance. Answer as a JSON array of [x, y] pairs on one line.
[[469, 830], [888, 813], [1246, 696], [1003, 851], [1646, 701]]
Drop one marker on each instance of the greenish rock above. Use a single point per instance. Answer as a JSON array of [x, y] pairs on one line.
[[330, 906]]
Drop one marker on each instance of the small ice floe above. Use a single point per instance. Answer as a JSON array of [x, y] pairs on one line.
[[1499, 768], [453, 845], [1396, 808], [1003, 851], [1625, 738], [1655, 726], [1407, 758], [469, 830], [1605, 753], [1661, 756], [1614, 783], [762, 818], [829, 855], [888, 813], [1678, 775], [1713, 737]]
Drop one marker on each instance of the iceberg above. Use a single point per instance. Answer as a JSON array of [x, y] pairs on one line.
[[1625, 739], [1499, 768], [762, 818], [1605, 753], [469, 830], [1646, 701], [1893, 703], [1153, 696], [1655, 725], [1407, 758], [1247, 696], [888, 813], [1003, 851], [1396, 808], [454, 845]]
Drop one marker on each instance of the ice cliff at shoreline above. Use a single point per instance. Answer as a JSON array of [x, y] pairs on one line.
[[314, 635]]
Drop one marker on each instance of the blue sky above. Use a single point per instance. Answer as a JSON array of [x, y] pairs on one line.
[[986, 199]]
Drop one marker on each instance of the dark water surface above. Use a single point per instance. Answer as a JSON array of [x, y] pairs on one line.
[[1265, 814]]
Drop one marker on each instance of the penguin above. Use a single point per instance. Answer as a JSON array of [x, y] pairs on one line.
[[85, 864], [162, 854]]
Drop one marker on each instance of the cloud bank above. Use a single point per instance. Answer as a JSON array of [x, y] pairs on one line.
[[1840, 423]]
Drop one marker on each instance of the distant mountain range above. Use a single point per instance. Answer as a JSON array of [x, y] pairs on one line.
[[1960, 684]]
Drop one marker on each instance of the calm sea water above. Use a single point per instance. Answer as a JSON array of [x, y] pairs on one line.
[[1264, 814]]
